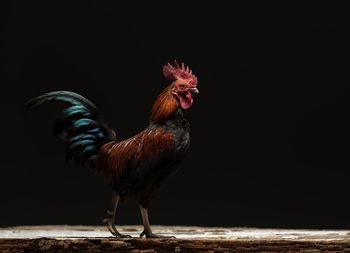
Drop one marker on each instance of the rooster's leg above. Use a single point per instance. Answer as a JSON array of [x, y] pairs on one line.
[[147, 231], [110, 220]]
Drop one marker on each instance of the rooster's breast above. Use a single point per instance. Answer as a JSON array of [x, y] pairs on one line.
[[161, 154]]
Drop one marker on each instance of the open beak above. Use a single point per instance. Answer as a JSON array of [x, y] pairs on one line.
[[194, 90]]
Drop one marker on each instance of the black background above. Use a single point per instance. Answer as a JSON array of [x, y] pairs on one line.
[[270, 130]]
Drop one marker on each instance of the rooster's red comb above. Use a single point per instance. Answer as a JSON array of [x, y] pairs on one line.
[[176, 72]]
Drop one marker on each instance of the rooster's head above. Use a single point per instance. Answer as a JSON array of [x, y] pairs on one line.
[[184, 83]]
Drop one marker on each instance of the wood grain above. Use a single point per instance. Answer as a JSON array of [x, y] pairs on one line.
[[188, 239]]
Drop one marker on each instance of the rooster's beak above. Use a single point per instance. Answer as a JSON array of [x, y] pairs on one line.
[[194, 90]]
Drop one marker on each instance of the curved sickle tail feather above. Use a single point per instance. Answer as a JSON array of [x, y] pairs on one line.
[[80, 125]]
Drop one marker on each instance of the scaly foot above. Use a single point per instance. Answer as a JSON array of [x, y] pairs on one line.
[[109, 221]]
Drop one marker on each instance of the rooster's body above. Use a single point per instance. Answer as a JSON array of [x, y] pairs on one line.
[[137, 166], [147, 158]]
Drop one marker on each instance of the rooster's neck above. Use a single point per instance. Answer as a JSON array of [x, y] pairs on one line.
[[164, 106]]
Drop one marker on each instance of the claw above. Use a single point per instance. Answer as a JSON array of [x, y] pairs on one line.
[[124, 236], [143, 234], [111, 227], [151, 235]]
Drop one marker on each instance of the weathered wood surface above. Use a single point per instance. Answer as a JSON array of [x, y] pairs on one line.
[[188, 239]]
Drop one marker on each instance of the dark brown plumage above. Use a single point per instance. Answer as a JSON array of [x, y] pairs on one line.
[[114, 156]]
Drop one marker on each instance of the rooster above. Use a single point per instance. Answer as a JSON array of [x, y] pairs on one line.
[[134, 167]]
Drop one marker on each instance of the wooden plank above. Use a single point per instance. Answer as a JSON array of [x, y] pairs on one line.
[[188, 239]]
